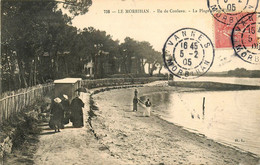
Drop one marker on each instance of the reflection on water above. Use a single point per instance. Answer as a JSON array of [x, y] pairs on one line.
[[231, 117]]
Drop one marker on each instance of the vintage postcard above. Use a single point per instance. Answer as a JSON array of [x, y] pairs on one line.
[[130, 82]]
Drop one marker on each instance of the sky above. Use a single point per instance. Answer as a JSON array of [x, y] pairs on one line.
[[157, 25]]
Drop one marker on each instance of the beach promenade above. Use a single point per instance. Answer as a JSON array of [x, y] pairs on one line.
[[126, 137]]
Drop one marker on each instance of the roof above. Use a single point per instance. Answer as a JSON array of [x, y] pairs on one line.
[[67, 81]]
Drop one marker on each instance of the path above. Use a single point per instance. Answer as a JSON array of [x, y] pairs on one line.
[[71, 146]]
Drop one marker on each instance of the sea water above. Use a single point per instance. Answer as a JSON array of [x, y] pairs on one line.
[[230, 117]]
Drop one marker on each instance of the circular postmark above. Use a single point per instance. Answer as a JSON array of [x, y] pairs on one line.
[[230, 11], [188, 53], [245, 38]]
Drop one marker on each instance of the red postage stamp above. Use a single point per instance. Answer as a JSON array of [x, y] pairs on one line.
[[227, 13], [223, 34]]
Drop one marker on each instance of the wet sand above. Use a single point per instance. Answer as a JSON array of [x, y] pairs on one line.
[[133, 139]]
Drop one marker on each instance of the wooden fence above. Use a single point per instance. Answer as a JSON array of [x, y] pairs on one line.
[[12, 102]]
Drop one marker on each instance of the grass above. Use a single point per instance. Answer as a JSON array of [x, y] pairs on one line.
[[22, 128]]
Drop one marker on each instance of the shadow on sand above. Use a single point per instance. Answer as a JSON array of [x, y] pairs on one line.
[[47, 133], [141, 116]]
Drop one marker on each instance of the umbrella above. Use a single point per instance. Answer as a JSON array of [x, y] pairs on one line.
[[81, 89]]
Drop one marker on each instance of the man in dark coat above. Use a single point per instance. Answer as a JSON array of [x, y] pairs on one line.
[[56, 114], [76, 112]]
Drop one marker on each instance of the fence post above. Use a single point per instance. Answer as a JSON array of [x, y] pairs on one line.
[[13, 102]]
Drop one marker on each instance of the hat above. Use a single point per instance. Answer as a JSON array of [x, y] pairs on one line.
[[65, 96], [57, 100]]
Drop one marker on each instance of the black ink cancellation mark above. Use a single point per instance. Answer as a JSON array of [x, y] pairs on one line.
[[188, 53], [230, 11], [245, 38]]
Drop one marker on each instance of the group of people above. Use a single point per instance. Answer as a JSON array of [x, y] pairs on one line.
[[147, 104], [62, 111]]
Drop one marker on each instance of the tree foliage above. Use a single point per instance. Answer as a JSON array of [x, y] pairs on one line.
[[40, 44], [77, 7], [29, 29], [242, 72]]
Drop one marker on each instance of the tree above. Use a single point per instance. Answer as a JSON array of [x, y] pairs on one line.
[[140, 54], [145, 52], [77, 7], [103, 51], [23, 34], [98, 47], [239, 72], [29, 30]]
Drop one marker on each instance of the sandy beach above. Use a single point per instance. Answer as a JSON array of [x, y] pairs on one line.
[[134, 139], [120, 136]]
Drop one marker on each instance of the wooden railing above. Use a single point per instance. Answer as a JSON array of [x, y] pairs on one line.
[[14, 101]]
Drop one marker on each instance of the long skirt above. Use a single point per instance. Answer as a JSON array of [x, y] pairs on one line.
[[55, 122], [77, 120], [147, 111], [135, 107], [66, 118]]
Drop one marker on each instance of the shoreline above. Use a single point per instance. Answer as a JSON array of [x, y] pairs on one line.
[[215, 141], [214, 86], [101, 125]]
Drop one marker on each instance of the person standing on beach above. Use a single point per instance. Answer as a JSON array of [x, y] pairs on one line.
[[135, 101], [147, 110], [76, 112]]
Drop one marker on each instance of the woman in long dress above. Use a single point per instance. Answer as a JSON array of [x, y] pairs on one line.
[[56, 114], [147, 111], [66, 105], [147, 107], [135, 101], [76, 112]]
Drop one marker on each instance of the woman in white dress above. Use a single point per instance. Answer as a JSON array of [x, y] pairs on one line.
[[147, 107], [147, 111]]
